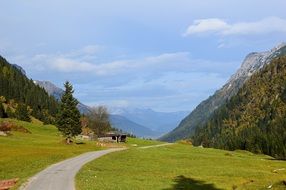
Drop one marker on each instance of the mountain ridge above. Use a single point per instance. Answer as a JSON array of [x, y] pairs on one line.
[[252, 62], [161, 122], [119, 122], [57, 92], [129, 126], [254, 118], [21, 94]]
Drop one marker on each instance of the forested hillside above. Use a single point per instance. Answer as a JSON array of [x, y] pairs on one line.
[[200, 115], [19, 93], [255, 118]]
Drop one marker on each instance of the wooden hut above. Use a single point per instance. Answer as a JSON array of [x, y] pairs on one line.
[[113, 136]]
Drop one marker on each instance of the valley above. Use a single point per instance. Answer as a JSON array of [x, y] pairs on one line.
[[143, 95], [177, 166]]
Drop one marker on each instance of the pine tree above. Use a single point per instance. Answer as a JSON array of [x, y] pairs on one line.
[[22, 113], [68, 119]]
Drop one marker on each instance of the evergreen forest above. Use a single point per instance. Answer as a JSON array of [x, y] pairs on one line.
[[254, 119]]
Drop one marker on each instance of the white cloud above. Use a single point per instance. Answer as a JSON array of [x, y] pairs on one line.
[[149, 81], [67, 64], [221, 27], [152, 65], [206, 25]]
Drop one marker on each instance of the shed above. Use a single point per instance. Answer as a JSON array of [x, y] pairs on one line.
[[113, 136]]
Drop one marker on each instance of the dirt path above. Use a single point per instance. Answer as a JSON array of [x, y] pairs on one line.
[[61, 176]]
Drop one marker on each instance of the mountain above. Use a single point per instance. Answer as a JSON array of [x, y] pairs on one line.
[[252, 63], [161, 122], [50, 88], [120, 122], [19, 68], [19, 92], [57, 92], [117, 121], [254, 118]]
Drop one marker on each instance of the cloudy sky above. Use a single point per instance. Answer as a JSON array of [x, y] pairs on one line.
[[165, 55]]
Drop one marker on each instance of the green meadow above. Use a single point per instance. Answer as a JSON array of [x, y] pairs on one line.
[[22, 155], [181, 166], [177, 166]]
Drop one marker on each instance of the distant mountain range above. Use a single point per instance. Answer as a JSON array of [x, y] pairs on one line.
[[121, 122], [161, 122], [252, 63], [140, 122]]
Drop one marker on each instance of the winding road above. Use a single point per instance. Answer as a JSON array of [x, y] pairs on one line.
[[61, 176]]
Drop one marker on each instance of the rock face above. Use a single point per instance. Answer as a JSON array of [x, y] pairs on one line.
[[57, 92], [51, 89], [252, 63]]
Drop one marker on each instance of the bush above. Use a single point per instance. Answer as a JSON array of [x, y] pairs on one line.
[[7, 127]]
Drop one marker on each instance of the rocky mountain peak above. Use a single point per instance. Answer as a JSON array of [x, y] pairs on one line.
[[50, 88], [253, 62]]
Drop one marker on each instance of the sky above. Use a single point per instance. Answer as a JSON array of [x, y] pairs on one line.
[[167, 55]]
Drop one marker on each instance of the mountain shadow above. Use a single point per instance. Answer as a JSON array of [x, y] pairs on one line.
[[184, 183]]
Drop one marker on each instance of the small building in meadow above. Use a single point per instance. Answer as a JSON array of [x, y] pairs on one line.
[[113, 136]]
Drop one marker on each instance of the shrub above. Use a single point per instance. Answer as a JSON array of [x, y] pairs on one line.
[[7, 127]]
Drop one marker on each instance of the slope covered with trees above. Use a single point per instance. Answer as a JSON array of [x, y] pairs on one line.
[[16, 89], [201, 114], [255, 118]]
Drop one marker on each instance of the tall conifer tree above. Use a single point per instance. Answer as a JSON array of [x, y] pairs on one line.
[[68, 120]]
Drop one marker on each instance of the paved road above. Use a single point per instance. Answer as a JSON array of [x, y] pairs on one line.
[[61, 176], [154, 146]]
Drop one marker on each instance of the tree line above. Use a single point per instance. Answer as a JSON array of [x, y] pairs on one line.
[[22, 99], [22, 96]]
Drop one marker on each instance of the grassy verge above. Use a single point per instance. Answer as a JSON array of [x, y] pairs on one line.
[[24, 154], [182, 167]]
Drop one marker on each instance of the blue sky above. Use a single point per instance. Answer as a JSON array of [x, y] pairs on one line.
[[166, 55]]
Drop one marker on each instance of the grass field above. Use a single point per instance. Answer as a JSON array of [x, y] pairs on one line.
[[22, 154], [172, 167], [182, 167], [136, 142]]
